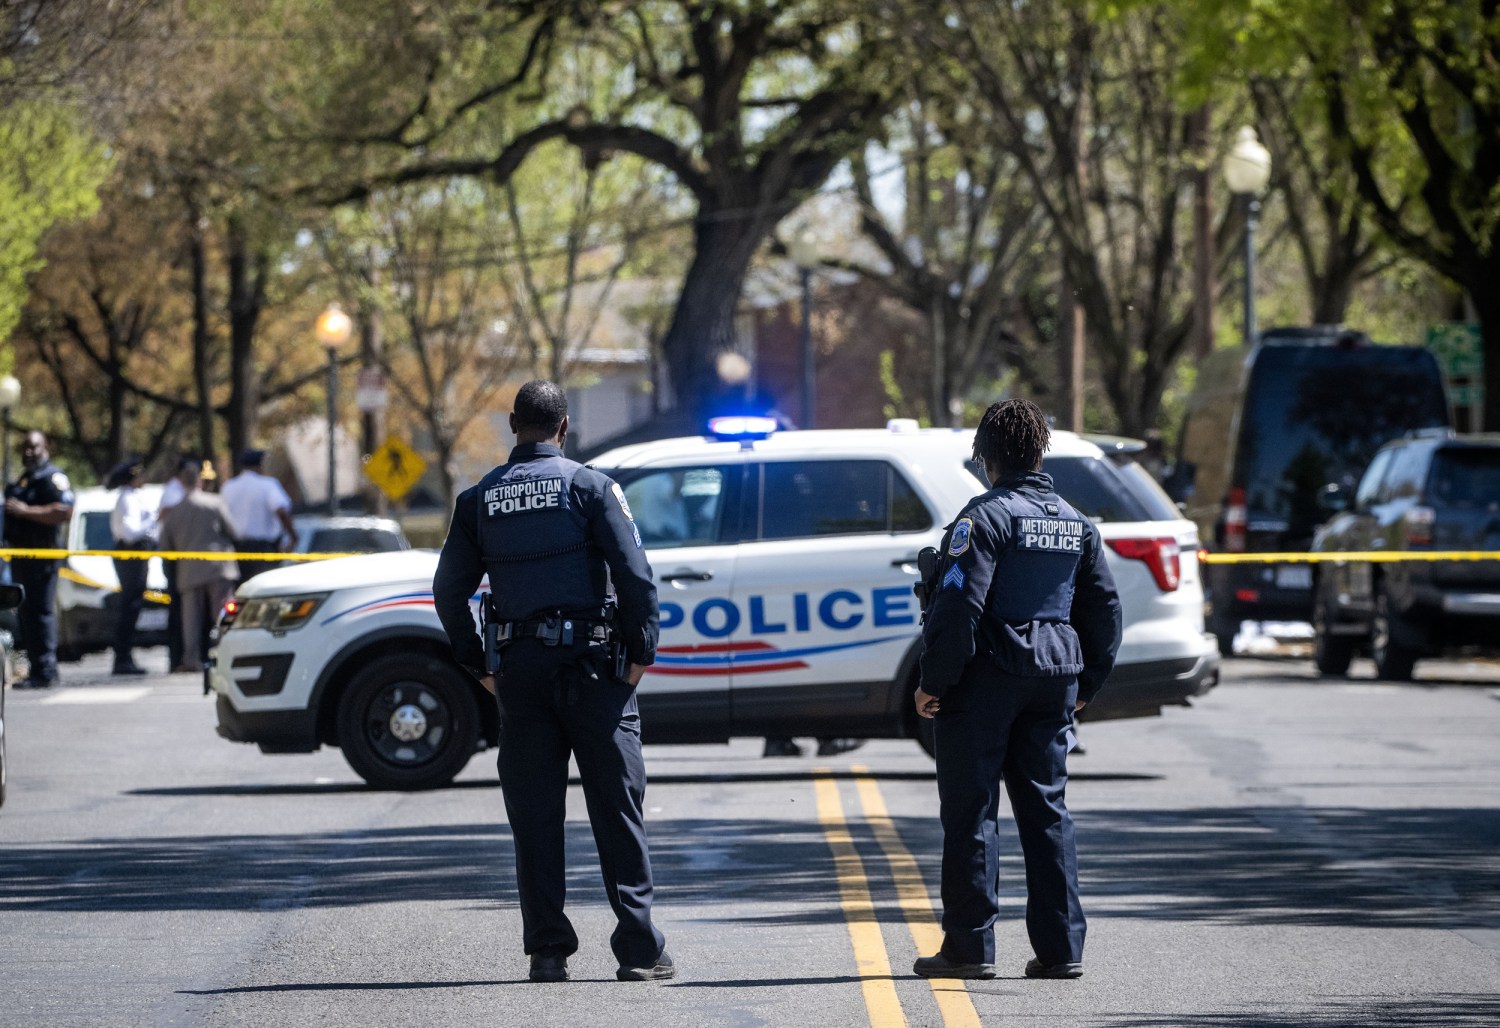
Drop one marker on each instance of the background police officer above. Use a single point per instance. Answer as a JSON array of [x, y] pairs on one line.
[[37, 505], [1021, 634], [561, 551]]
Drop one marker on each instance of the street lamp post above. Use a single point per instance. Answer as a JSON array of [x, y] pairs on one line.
[[1247, 169], [333, 329], [10, 395], [803, 249]]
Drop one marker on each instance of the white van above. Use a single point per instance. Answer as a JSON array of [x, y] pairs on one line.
[[88, 593]]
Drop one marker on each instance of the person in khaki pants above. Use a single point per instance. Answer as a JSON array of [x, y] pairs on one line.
[[200, 522]]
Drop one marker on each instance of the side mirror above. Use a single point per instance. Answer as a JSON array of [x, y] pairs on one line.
[[1182, 481], [1334, 498]]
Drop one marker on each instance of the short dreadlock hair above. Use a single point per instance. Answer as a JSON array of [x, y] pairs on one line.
[[1012, 435], [540, 404]]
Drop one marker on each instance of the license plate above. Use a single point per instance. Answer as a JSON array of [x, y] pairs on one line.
[[1294, 576], [152, 621]]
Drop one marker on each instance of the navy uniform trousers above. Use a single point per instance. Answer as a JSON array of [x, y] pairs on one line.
[[552, 705], [996, 726]]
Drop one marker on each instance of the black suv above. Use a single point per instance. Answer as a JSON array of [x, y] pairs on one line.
[[1428, 491], [1268, 431]]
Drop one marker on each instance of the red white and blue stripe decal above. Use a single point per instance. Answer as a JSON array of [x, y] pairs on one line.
[[745, 658], [416, 599]]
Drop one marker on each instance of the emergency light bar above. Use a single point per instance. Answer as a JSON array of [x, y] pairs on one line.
[[741, 426]]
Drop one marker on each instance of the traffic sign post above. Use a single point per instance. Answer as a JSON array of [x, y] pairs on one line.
[[395, 467], [1459, 349]]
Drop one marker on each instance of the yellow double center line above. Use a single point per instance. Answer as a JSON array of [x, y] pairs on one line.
[[870, 956]]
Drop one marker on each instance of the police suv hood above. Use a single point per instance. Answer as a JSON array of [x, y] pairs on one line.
[[321, 576]]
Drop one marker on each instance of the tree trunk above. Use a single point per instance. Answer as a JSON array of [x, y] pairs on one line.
[[703, 322], [245, 299], [1486, 300], [201, 377]]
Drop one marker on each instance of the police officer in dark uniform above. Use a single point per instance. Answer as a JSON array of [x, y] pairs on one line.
[[573, 622], [1021, 633], [36, 506]]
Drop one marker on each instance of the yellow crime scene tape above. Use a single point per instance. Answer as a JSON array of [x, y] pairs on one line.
[[1371, 556], [41, 554], [153, 595]]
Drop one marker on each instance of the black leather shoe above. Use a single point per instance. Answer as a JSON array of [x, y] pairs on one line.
[[833, 747], [664, 968], [941, 967], [547, 967], [128, 669], [35, 683], [1036, 969], [781, 748]]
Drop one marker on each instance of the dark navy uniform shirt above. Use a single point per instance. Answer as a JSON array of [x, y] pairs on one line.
[[41, 486], [1025, 585], [554, 536]]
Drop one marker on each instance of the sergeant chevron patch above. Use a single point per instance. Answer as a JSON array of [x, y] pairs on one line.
[[954, 577]]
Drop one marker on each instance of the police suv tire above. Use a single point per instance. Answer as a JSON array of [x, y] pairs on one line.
[[1394, 662], [1331, 653], [408, 722]]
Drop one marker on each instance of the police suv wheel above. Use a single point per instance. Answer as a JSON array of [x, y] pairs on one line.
[[408, 722], [1331, 653]]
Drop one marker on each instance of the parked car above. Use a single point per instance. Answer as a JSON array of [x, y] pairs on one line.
[[88, 592], [10, 598], [1305, 409], [348, 534], [784, 567], [1428, 491]]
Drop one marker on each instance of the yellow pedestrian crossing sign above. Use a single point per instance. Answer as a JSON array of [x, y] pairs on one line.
[[395, 468]]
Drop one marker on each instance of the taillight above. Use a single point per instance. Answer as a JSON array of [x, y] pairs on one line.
[[1235, 519], [1416, 525], [1163, 556]]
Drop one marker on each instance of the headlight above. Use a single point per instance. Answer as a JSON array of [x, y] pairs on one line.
[[278, 613]]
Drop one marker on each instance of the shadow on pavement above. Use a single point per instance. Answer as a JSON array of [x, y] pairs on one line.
[[717, 778], [1442, 1010], [1411, 868]]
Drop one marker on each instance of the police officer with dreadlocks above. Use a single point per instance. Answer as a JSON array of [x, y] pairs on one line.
[[1021, 633], [570, 627]]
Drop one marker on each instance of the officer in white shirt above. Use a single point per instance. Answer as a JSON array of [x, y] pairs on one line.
[[133, 524], [262, 510]]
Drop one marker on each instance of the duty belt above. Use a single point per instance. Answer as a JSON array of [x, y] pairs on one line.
[[555, 630]]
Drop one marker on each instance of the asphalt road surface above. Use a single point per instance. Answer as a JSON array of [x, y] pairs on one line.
[[1287, 852]]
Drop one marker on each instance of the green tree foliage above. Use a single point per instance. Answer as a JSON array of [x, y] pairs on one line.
[[1409, 97], [749, 105], [50, 167]]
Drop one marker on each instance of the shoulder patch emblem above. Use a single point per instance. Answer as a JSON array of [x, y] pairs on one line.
[[620, 496], [960, 541], [60, 482]]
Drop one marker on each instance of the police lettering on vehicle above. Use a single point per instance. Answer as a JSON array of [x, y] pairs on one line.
[[840, 610], [520, 497], [1059, 535]]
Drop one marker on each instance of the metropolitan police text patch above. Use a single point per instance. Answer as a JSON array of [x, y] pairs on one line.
[[526, 495], [1063, 535]]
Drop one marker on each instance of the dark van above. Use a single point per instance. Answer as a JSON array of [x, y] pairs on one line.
[[1276, 437]]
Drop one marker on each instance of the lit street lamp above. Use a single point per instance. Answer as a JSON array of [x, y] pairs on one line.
[[1247, 169], [333, 330], [803, 250]]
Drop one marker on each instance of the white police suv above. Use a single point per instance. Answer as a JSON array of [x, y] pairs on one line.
[[784, 565]]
